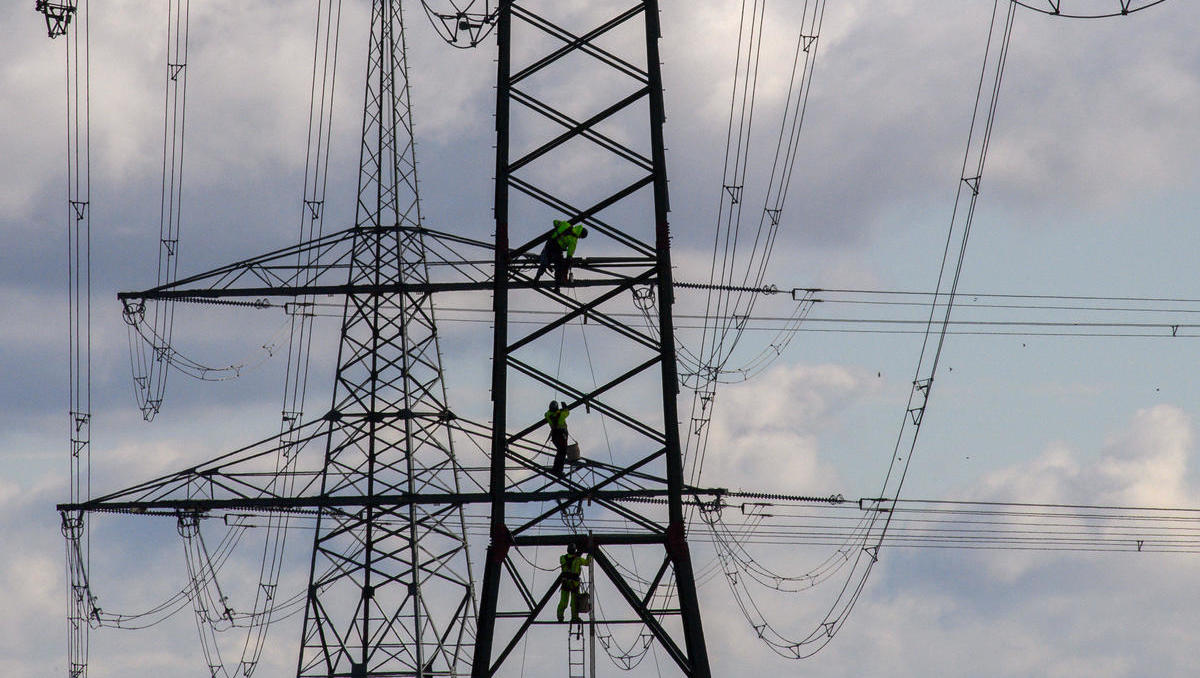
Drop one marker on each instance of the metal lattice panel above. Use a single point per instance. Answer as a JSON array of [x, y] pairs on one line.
[[580, 114]]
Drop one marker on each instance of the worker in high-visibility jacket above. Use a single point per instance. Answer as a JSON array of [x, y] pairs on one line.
[[571, 564], [559, 249], [556, 417]]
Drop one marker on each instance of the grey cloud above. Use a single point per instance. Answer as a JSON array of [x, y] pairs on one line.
[[883, 141]]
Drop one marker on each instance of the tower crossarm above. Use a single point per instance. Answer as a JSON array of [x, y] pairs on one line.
[[309, 504], [319, 268], [263, 291], [321, 265]]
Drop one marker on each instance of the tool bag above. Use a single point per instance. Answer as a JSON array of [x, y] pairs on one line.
[[583, 602], [573, 452]]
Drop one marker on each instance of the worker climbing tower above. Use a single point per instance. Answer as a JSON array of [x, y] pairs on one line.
[[579, 114]]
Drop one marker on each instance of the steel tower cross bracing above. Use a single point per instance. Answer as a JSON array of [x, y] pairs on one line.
[[390, 588], [390, 591], [581, 87]]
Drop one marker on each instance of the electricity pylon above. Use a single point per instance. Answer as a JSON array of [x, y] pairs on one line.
[[390, 590], [582, 87]]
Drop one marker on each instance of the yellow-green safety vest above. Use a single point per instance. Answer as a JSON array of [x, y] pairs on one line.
[[566, 236], [557, 418], [571, 564]]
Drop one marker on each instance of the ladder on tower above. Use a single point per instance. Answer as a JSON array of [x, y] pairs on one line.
[[576, 651]]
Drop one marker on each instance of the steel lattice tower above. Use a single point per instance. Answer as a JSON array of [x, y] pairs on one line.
[[616, 124], [390, 590], [376, 569]]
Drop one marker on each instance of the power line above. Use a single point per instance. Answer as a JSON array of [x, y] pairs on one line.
[[919, 523], [866, 325]]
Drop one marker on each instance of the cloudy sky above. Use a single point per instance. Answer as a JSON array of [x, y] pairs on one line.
[[1090, 190]]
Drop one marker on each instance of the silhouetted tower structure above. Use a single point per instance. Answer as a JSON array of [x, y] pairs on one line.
[[579, 114], [371, 613], [390, 589], [579, 136]]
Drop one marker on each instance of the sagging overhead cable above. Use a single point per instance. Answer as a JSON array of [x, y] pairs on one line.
[[70, 20], [740, 259], [151, 360], [862, 555], [462, 25], [265, 607]]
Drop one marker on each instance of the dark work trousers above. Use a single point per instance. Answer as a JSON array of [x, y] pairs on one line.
[[562, 268], [559, 437], [552, 255]]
